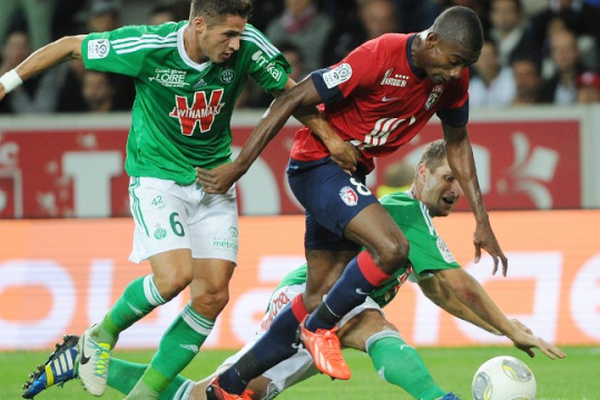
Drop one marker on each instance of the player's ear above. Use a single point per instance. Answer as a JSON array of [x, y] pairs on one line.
[[431, 40], [199, 24], [422, 172]]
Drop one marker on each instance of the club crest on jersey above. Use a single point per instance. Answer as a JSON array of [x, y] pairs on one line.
[[98, 48], [201, 113], [227, 76], [338, 75], [169, 77], [349, 196], [435, 94]]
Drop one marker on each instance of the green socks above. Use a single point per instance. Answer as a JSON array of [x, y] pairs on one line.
[[138, 300], [123, 376], [178, 346], [401, 365]]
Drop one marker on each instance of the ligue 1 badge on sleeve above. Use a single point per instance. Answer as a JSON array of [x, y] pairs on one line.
[[98, 48]]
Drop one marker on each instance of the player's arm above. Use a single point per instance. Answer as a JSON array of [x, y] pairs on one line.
[[69, 47], [220, 179], [462, 163], [472, 295], [445, 298], [342, 153]]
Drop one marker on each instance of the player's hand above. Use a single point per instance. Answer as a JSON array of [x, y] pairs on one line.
[[484, 238], [527, 342], [344, 154], [218, 180], [2, 92], [521, 326]]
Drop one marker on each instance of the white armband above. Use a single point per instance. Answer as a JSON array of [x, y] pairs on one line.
[[10, 80]]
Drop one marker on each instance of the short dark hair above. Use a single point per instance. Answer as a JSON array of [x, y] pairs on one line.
[[434, 154], [215, 11], [460, 26]]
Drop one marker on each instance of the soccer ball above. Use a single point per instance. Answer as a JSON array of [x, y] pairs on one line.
[[504, 378]]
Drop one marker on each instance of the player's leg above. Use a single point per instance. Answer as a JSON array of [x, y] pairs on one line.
[[213, 265], [160, 214], [346, 207], [186, 335], [395, 361], [279, 341]]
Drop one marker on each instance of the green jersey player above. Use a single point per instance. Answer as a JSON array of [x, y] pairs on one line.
[[187, 76], [365, 328]]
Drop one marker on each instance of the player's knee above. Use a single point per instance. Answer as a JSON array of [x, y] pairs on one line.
[[392, 255], [171, 285], [210, 302]]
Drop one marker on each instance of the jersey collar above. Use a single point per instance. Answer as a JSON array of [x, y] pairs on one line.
[[184, 56]]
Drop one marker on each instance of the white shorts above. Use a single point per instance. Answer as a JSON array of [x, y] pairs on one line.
[[170, 216], [299, 366]]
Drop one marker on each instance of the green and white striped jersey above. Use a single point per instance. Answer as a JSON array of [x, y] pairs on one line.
[[428, 251], [182, 110]]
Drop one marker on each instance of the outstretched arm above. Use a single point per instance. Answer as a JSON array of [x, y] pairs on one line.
[[469, 292], [47, 57], [220, 179], [462, 163]]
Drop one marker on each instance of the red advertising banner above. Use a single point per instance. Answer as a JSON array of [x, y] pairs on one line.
[[79, 172], [61, 275]]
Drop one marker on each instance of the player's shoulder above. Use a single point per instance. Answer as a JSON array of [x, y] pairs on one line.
[[388, 42], [167, 30], [253, 40], [399, 199]]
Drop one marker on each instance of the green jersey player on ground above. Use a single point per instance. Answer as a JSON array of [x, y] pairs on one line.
[[433, 193], [187, 76]]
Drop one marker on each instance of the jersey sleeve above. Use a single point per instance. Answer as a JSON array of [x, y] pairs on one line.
[[120, 51], [268, 66], [351, 74], [456, 110], [428, 251]]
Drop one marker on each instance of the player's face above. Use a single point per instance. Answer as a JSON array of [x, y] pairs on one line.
[[440, 190], [444, 63], [219, 41]]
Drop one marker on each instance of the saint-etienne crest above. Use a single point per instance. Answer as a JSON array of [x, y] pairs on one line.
[[227, 76]]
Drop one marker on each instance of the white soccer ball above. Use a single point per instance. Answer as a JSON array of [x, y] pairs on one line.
[[504, 378]]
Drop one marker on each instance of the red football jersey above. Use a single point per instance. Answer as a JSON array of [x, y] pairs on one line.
[[375, 99]]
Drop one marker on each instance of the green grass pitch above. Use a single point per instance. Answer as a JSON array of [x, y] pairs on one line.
[[575, 378]]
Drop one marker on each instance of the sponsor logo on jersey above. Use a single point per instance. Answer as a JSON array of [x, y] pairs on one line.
[[397, 80], [277, 304], [98, 48], [445, 251], [227, 243], [338, 75], [199, 84], [227, 76], [169, 77], [349, 196], [259, 58], [403, 277], [202, 112], [435, 94]]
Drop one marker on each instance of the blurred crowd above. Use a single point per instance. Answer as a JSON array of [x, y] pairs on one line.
[[535, 51]]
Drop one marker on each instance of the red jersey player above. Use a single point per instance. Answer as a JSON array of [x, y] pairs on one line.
[[376, 99]]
